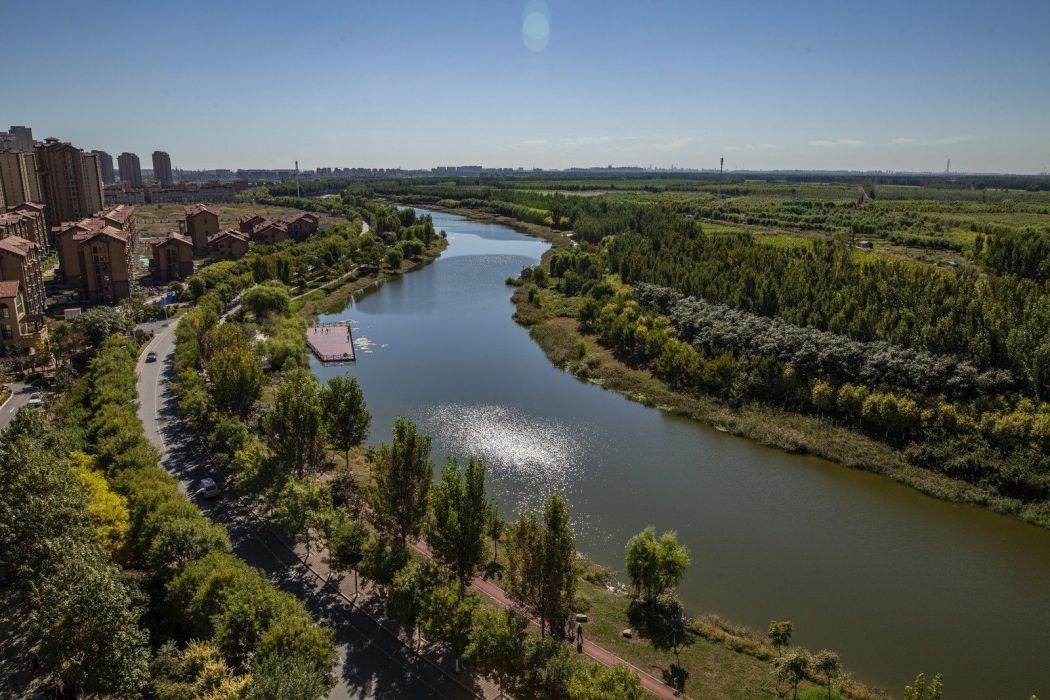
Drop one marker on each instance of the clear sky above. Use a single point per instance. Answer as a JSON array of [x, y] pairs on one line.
[[390, 83]]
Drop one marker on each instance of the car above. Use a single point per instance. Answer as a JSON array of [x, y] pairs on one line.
[[151, 356], [209, 489], [36, 399]]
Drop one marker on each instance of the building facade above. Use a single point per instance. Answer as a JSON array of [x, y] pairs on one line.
[[25, 221], [20, 262], [130, 169], [171, 258], [162, 168], [105, 160], [269, 233], [302, 225], [96, 255], [230, 244], [18, 178], [70, 181], [18, 330], [202, 223]]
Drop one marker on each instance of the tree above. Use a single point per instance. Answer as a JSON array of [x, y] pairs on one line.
[[919, 690], [287, 679], [655, 566], [791, 669], [458, 517], [303, 507], [269, 297], [410, 592], [345, 537], [295, 425], [107, 510], [296, 639], [599, 682], [237, 380], [346, 417], [494, 528], [401, 478], [99, 323], [497, 646], [197, 671], [826, 663], [383, 557], [780, 634], [541, 572], [447, 615]]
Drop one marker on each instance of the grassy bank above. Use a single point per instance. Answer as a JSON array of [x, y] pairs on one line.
[[332, 297]]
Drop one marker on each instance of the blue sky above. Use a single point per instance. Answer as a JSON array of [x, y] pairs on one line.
[[767, 84]]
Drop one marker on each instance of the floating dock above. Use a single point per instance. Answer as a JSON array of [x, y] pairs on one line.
[[331, 342]]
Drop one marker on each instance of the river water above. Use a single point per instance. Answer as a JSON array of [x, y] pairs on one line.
[[896, 582]]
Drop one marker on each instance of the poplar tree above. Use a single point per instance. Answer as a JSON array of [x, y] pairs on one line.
[[346, 417], [459, 513], [401, 476], [295, 425], [541, 571]]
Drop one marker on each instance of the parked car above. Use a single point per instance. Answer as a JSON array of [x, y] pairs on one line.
[[36, 399], [209, 489], [151, 356]]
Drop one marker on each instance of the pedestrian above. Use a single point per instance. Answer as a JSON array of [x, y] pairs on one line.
[[579, 638]]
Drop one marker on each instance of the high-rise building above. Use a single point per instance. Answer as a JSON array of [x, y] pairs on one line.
[[70, 181], [162, 168], [18, 178], [23, 138], [109, 176], [130, 170]]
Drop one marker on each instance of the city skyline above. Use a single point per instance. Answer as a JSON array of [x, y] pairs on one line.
[[554, 85]]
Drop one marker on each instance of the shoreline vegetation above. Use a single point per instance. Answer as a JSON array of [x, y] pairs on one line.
[[553, 325]]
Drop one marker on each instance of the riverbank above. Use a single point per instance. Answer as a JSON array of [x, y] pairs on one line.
[[332, 297]]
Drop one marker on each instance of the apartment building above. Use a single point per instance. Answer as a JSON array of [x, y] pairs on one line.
[[171, 258], [130, 169], [202, 222], [18, 329], [269, 233], [109, 175], [162, 168], [96, 254], [19, 181], [70, 181], [302, 225], [20, 262], [230, 244], [26, 221]]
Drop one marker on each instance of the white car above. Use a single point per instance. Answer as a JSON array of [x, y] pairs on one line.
[[209, 489], [36, 399]]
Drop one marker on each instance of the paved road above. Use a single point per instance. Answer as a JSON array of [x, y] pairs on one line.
[[20, 394], [372, 664]]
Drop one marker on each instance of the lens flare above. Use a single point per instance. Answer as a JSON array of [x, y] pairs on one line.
[[536, 25]]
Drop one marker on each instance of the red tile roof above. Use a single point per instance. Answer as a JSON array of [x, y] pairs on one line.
[[228, 233], [107, 231], [17, 245], [120, 213], [300, 215], [195, 209], [172, 237], [8, 289]]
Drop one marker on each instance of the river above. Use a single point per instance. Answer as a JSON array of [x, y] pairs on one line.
[[895, 581]]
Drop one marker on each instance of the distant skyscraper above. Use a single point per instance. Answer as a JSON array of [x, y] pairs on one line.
[[70, 181], [18, 177], [130, 170], [109, 176], [22, 137], [162, 168]]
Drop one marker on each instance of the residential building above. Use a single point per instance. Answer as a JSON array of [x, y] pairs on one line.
[[25, 221], [162, 168], [171, 257], [249, 222], [18, 178], [20, 262], [22, 138], [188, 192], [302, 225], [269, 233], [117, 193], [230, 244], [109, 176], [96, 254], [70, 181], [18, 329], [130, 169], [202, 223]]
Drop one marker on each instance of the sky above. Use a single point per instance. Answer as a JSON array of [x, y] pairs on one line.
[[767, 84]]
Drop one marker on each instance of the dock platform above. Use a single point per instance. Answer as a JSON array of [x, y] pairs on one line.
[[331, 342]]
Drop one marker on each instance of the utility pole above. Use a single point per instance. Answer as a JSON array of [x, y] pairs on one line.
[[297, 179], [721, 164]]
